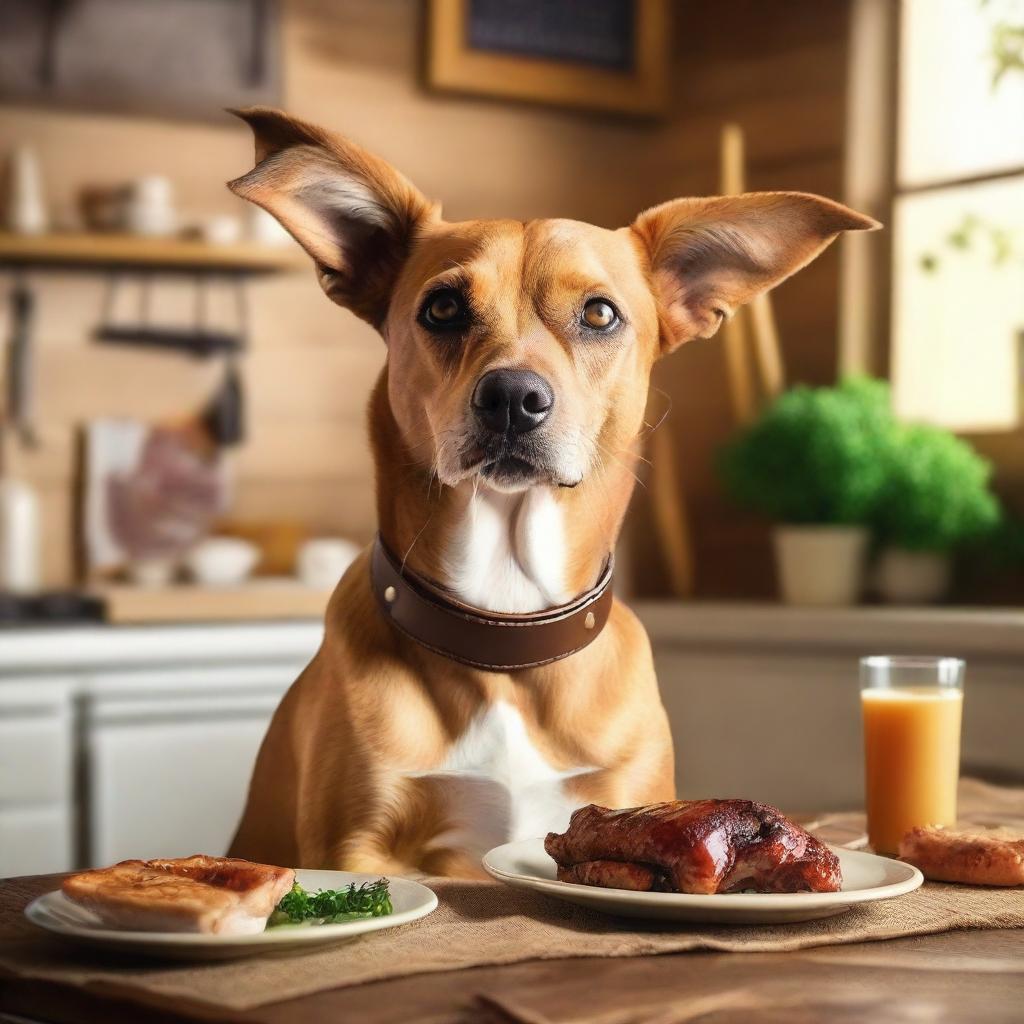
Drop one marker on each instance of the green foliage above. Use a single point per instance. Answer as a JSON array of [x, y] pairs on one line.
[[1007, 50], [332, 906], [936, 493], [838, 456], [1007, 38], [974, 235], [815, 456]]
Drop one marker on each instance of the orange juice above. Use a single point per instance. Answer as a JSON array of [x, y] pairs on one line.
[[912, 760]]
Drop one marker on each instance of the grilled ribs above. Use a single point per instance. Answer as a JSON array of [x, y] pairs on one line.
[[693, 846]]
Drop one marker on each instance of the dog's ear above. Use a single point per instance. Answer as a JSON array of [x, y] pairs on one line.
[[710, 255], [350, 210]]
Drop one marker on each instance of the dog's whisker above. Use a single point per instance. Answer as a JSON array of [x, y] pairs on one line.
[[419, 534], [664, 415]]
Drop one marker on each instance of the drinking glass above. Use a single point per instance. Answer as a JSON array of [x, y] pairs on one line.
[[912, 708]]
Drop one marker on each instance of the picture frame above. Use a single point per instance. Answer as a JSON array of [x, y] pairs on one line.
[[181, 59], [609, 56]]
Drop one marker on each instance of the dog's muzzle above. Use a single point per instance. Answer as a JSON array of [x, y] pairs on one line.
[[508, 405]]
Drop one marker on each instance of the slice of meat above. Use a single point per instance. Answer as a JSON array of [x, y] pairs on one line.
[[216, 895], [613, 874], [702, 846], [979, 857]]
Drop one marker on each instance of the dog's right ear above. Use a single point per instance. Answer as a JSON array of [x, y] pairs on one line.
[[350, 210]]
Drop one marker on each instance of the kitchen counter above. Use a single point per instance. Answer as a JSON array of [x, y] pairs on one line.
[[979, 632], [57, 649], [877, 629]]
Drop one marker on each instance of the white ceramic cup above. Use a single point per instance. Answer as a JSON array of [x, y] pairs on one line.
[[150, 210], [222, 561], [221, 230], [323, 561]]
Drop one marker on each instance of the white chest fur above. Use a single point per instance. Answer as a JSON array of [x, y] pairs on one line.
[[498, 787], [508, 552]]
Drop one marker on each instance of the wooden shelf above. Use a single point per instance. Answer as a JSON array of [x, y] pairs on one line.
[[128, 252], [257, 599]]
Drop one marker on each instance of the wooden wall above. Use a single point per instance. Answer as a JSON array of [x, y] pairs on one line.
[[354, 65], [779, 71]]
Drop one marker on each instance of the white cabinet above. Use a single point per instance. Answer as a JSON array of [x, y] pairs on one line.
[[35, 840], [168, 758], [168, 788], [122, 742], [36, 781]]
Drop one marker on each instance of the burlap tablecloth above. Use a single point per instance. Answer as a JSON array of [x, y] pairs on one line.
[[479, 923]]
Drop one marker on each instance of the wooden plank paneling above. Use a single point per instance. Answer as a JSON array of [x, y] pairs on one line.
[[312, 382], [303, 450], [777, 69], [328, 507], [779, 72]]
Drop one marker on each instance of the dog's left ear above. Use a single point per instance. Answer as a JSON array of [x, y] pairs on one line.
[[350, 210], [708, 256]]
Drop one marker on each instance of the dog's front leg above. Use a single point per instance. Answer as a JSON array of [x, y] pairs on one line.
[[410, 824]]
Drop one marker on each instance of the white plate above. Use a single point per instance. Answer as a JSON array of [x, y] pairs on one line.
[[866, 877], [56, 913]]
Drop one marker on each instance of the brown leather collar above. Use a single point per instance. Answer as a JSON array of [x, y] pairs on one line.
[[499, 643]]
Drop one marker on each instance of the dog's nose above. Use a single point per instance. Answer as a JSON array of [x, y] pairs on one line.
[[512, 401]]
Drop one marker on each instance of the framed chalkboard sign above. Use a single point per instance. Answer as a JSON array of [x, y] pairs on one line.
[[607, 55]]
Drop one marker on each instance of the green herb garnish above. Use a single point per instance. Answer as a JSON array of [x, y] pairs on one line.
[[332, 906]]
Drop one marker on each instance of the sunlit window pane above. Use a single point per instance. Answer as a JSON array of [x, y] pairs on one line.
[[958, 305], [958, 116]]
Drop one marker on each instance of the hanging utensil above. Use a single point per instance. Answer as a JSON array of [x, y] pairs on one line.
[[19, 362], [198, 340], [224, 417]]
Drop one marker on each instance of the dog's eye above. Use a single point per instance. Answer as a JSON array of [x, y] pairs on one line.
[[600, 315], [444, 309]]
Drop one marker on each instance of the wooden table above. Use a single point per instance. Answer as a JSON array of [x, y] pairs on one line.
[[975, 976]]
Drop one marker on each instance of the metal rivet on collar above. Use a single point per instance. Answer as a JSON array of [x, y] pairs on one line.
[[589, 622], [390, 594]]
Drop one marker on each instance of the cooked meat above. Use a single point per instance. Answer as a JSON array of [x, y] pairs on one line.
[[613, 874], [218, 895], [982, 857], [695, 846]]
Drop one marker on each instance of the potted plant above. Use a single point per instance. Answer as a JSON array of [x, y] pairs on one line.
[[814, 463], [936, 497]]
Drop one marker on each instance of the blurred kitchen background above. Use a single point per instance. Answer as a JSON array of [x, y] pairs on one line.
[[184, 471]]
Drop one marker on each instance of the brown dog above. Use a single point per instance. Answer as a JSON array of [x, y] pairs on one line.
[[505, 429]]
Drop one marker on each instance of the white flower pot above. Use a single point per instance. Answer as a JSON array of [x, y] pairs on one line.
[[912, 577], [820, 565]]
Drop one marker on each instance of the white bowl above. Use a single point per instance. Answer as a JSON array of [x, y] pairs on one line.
[[222, 561], [323, 561]]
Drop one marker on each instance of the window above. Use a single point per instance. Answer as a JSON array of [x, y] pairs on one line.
[[958, 218]]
